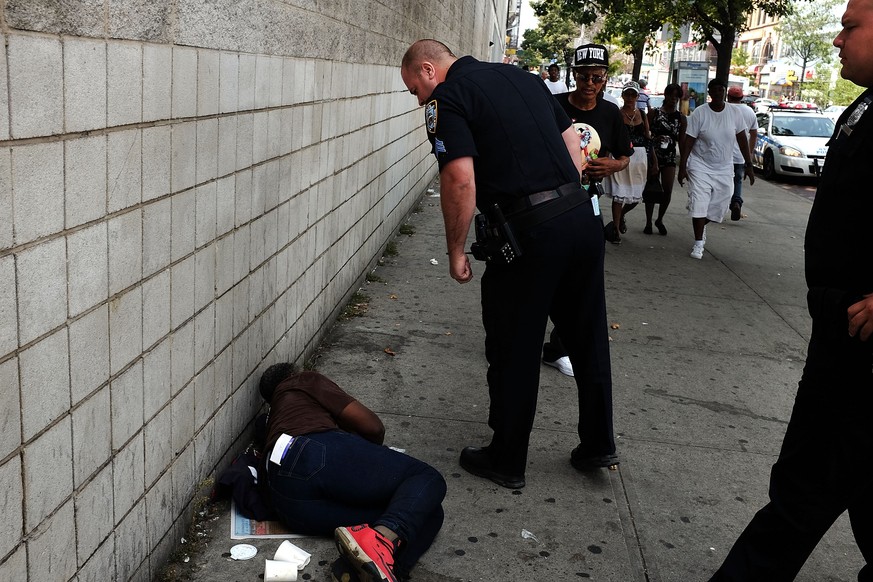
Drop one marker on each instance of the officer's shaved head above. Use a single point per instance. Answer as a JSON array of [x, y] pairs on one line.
[[426, 50], [425, 66]]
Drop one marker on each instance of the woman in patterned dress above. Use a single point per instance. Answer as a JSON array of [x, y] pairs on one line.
[[667, 126]]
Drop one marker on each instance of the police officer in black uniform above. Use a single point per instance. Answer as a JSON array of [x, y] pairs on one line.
[[824, 465], [504, 145]]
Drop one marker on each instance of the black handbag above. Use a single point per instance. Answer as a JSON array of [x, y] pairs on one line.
[[653, 192]]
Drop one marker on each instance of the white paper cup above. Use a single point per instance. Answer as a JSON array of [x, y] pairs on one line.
[[288, 552], [278, 571]]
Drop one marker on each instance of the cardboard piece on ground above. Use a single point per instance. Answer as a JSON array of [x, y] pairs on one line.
[[242, 528]]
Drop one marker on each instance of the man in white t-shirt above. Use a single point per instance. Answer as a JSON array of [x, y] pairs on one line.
[[554, 82], [750, 126], [707, 161]]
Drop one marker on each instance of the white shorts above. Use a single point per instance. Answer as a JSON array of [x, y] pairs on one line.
[[709, 195]]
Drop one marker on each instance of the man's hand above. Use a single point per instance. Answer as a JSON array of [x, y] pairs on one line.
[[459, 268], [600, 168], [750, 174], [458, 202], [682, 176], [861, 318]]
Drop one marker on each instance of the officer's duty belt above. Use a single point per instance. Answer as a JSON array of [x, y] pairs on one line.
[[560, 201], [538, 198]]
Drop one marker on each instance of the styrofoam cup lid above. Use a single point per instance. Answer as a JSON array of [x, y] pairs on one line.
[[243, 552]]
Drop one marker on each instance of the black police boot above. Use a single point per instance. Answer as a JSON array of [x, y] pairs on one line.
[[476, 460]]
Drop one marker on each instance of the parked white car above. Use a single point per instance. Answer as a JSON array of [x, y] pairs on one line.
[[792, 142], [834, 111], [762, 105]]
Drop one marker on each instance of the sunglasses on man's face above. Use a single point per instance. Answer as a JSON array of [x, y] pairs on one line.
[[584, 78]]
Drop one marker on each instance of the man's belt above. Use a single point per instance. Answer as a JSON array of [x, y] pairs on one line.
[[566, 198], [538, 198]]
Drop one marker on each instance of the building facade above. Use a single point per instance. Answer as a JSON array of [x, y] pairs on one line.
[[190, 190]]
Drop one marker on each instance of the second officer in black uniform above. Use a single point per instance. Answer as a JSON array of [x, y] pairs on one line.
[[505, 146]]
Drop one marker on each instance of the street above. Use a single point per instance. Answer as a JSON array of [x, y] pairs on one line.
[[801, 186]]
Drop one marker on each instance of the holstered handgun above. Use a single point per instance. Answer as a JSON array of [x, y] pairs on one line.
[[495, 241]]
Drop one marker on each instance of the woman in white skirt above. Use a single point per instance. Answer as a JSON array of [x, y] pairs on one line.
[[626, 187]]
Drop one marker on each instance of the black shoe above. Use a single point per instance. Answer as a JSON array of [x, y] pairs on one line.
[[610, 233], [475, 460], [662, 230], [581, 463], [736, 211], [648, 229]]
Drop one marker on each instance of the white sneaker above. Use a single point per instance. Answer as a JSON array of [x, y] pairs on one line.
[[562, 364], [697, 252]]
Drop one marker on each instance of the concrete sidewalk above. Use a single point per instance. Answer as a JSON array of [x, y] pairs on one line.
[[706, 357]]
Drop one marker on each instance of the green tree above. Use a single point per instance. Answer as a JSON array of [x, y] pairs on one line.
[[807, 34], [532, 44], [720, 21], [553, 37], [715, 21], [819, 87], [632, 24], [740, 63], [627, 24], [845, 92]]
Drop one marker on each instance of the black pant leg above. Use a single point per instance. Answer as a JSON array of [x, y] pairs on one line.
[[821, 470], [514, 313]]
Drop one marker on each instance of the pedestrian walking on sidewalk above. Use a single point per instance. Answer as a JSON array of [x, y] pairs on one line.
[[543, 245], [750, 126], [328, 474], [667, 125], [707, 161], [554, 82], [823, 468], [626, 187]]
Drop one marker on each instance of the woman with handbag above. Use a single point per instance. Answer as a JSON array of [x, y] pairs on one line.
[[668, 130], [626, 186]]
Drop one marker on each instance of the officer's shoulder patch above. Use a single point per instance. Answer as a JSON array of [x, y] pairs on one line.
[[430, 116]]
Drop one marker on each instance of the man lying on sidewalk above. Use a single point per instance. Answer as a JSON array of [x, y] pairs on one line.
[[328, 473]]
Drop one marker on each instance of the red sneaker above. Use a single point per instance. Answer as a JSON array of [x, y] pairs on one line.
[[368, 551]]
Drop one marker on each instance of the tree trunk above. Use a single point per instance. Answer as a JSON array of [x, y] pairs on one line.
[[801, 80], [724, 50], [637, 54]]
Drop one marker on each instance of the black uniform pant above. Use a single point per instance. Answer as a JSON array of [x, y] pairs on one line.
[[560, 275], [825, 466]]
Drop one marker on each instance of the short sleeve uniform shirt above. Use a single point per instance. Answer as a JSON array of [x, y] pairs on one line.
[[508, 122]]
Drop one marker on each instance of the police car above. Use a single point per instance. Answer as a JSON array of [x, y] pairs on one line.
[[791, 142]]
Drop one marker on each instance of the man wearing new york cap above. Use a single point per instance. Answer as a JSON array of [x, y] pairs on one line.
[[605, 142]]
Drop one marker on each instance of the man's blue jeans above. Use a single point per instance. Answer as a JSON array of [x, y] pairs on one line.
[[739, 174], [334, 478]]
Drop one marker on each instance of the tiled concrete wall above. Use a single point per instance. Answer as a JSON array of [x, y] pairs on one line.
[[189, 191]]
